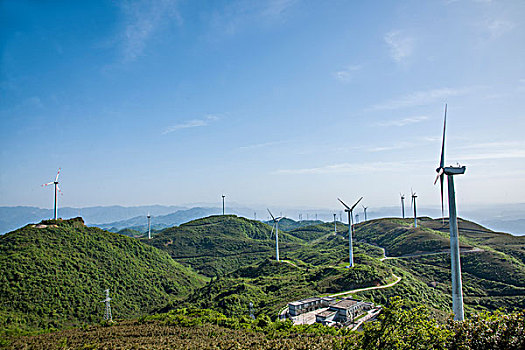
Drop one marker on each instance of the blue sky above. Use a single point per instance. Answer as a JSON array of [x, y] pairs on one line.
[[273, 102]]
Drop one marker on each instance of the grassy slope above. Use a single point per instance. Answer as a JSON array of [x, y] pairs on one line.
[[271, 285], [492, 278], [55, 276], [217, 245]]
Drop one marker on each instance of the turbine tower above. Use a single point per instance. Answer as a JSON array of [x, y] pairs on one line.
[[402, 205], [350, 229], [364, 209], [357, 218], [455, 264], [276, 226], [335, 225], [223, 204], [107, 313], [56, 189], [149, 226], [413, 205]]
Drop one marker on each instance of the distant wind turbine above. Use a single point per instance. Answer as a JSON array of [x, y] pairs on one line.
[[455, 264], [276, 226], [149, 226], [402, 205], [223, 204], [413, 205], [364, 209], [350, 229], [335, 225], [357, 218], [56, 189]]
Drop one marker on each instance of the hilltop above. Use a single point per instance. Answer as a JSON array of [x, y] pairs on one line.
[[216, 245], [54, 274]]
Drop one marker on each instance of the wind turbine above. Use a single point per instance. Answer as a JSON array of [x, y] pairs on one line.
[[223, 204], [413, 205], [335, 225], [56, 189], [402, 204], [276, 226], [357, 218], [350, 229], [149, 226], [364, 208], [455, 264]]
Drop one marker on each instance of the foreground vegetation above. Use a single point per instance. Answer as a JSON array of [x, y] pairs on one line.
[[401, 325]]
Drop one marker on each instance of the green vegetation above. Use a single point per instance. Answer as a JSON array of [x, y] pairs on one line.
[[271, 285], [401, 325], [54, 275], [217, 245]]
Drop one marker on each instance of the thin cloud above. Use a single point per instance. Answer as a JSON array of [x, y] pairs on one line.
[[491, 150], [420, 98], [346, 74], [346, 168], [141, 20], [497, 27], [401, 46], [402, 122], [261, 145], [194, 123]]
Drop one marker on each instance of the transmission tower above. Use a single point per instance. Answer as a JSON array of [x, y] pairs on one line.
[[251, 311], [107, 313]]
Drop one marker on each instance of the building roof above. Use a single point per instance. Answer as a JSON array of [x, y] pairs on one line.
[[304, 301], [345, 304], [326, 313]]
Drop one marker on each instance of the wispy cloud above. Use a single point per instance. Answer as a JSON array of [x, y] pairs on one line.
[[491, 150], [402, 122], [275, 8], [261, 145], [353, 168], [237, 15], [346, 74], [194, 123], [401, 46], [142, 18], [497, 27], [420, 98]]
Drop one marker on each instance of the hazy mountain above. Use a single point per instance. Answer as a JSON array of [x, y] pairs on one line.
[[12, 218]]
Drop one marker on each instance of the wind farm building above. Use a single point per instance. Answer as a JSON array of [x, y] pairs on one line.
[[343, 311], [295, 308]]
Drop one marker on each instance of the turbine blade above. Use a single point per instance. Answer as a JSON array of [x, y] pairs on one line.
[[271, 214], [58, 173], [58, 188], [343, 203], [49, 183], [359, 200], [442, 161], [439, 175]]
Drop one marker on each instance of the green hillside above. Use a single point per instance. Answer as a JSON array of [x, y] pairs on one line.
[[270, 285], [220, 244], [493, 270], [54, 274]]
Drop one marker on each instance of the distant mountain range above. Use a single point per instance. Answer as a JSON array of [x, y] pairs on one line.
[[506, 218]]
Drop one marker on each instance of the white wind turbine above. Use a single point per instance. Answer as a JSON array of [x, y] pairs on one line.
[[413, 205], [276, 227], [350, 230], [56, 189], [455, 264]]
